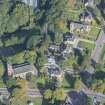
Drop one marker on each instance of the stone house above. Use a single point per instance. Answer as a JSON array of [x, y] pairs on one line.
[[79, 27], [21, 70]]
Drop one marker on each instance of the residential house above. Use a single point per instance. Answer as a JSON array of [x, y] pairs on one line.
[[21, 70], [78, 27], [33, 3], [54, 71], [89, 3], [54, 47], [66, 53], [86, 16], [67, 101], [69, 38], [51, 60]]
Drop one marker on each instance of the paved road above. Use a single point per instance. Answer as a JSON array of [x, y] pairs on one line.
[[31, 92], [35, 93], [95, 56], [4, 91], [98, 96]]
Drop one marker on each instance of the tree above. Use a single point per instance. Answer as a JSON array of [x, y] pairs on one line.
[[1, 70], [59, 95], [89, 101], [22, 93], [41, 82], [11, 83], [78, 85], [12, 17], [17, 59], [30, 56], [41, 60], [48, 94], [58, 38], [33, 41], [52, 83]]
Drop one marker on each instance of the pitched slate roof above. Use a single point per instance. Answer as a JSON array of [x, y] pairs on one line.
[[68, 37], [90, 2], [86, 14], [33, 3], [75, 25], [18, 69]]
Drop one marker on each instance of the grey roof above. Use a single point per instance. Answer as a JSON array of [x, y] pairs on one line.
[[78, 26], [53, 70], [86, 14], [54, 47], [33, 3], [18, 69], [68, 37], [90, 2]]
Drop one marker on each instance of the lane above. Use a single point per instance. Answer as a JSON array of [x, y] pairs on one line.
[[95, 56]]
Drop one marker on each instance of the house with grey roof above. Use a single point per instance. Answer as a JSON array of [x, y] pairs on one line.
[[33, 3], [88, 3], [70, 38], [54, 47], [74, 26], [51, 59], [67, 52], [86, 16], [53, 70], [67, 101], [21, 70]]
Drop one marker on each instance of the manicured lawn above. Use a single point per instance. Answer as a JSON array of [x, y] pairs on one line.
[[82, 44], [37, 101], [68, 63], [65, 83], [68, 81], [2, 85], [94, 32], [33, 83], [73, 16]]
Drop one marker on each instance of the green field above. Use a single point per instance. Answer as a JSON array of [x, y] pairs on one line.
[[82, 44], [94, 32], [38, 101]]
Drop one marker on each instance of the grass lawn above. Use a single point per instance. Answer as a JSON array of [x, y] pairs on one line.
[[2, 85], [68, 63], [94, 32], [66, 84], [33, 83], [73, 16], [37, 101], [82, 44]]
